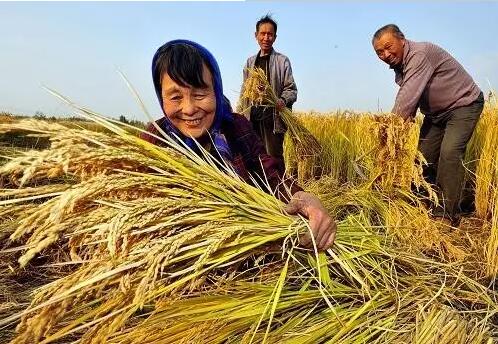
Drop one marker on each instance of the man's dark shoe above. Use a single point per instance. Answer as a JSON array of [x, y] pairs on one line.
[[455, 221], [445, 221]]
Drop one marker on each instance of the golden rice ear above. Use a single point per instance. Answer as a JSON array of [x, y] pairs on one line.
[[256, 90]]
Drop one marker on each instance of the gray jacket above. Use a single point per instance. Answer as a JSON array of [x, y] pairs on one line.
[[281, 80]]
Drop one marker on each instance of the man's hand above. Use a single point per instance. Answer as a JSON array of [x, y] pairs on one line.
[[407, 118], [322, 225], [280, 104]]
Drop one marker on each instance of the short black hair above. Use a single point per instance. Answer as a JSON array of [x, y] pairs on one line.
[[392, 28], [183, 63], [267, 19]]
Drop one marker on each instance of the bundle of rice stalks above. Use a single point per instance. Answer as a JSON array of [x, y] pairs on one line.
[[257, 91], [145, 234], [363, 148], [231, 311], [483, 152], [398, 164], [482, 157], [107, 216], [380, 313]]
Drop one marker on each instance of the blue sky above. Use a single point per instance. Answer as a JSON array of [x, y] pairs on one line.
[[75, 48]]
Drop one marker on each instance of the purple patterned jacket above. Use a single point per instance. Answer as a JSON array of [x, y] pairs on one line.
[[249, 155]]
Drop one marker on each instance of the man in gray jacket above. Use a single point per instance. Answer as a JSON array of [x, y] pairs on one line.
[[432, 80], [266, 120]]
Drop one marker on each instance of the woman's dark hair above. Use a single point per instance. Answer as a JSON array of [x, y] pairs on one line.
[[183, 63]]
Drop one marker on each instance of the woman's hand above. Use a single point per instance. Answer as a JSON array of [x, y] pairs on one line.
[[322, 225]]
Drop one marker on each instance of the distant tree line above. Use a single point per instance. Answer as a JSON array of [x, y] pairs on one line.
[[42, 116], [132, 122]]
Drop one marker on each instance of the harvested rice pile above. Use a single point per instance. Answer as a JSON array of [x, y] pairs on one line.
[[120, 241]]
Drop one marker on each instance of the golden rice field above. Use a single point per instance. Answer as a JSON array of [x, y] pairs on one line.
[[105, 238]]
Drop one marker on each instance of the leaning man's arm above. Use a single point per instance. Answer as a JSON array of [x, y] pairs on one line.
[[416, 77]]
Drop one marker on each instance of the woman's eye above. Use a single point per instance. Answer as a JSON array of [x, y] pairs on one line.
[[199, 96]]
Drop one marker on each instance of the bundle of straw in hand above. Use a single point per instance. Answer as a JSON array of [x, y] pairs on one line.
[[258, 92]]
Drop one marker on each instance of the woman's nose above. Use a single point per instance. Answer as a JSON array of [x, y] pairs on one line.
[[188, 106]]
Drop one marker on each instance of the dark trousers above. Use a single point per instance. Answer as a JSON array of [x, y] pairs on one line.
[[443, 140], [263, 125]]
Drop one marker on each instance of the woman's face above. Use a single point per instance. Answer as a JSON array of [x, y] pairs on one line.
[[191, 110]]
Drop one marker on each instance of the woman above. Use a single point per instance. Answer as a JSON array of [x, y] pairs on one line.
[[188, 85]]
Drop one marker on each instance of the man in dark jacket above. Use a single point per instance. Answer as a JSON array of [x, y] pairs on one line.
[[432, 80]]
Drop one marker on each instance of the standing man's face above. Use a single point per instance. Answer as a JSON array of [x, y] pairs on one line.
[[266, 36], [389, 48]]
